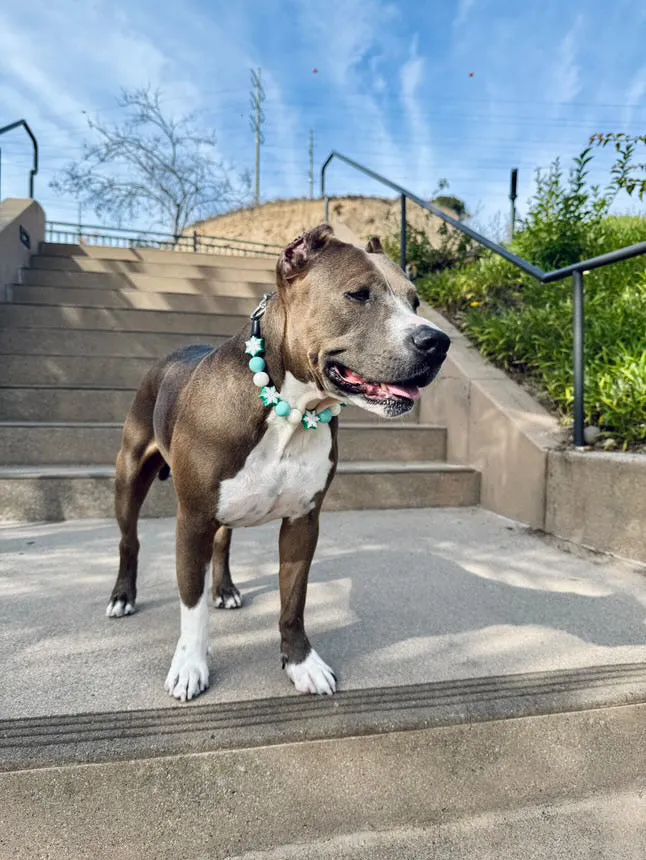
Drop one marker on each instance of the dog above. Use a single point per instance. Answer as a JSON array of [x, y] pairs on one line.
[[249, 431]]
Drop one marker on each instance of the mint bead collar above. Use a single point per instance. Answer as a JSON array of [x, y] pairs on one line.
[[310, 418], [255, 347]]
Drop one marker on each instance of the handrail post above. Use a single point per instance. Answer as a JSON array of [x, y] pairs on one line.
[[34, 169], [579, 356], [403, 237], [323, 192]]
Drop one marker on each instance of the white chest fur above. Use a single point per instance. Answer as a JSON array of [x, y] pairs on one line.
[[282, 474]]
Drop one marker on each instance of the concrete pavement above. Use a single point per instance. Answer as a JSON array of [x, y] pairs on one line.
[[492, 704], [396, 598]]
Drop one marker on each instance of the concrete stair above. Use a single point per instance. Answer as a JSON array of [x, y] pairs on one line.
[[80, 331]]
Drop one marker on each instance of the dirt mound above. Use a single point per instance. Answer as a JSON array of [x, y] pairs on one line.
[[280, 221]]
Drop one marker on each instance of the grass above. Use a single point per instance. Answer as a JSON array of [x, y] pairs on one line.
[[526, 327]]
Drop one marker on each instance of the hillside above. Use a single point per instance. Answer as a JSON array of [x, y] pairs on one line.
[[278, 222]]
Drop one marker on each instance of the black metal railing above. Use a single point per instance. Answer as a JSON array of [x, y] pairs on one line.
[[190, 241], [576, 270], [34, 169]]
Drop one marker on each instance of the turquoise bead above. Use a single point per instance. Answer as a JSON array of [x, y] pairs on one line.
[[283, 409], [257, 364], [326, 416]]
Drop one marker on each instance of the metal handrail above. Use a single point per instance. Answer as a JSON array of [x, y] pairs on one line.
[[160, 234], [34, 169], [193, 241], [576, 270]]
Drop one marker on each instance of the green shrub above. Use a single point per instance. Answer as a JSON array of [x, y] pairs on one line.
[[525, 327], [564, 219], [452, 203], [454, 250]]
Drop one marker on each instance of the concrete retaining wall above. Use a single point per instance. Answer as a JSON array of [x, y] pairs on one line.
[[22, 229], [594, 499], [598, 500], [494, 425]]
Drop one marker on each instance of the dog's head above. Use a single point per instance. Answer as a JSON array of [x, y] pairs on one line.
[[352, 323]]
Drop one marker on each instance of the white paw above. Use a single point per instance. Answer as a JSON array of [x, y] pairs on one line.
[[312, 675], [119, 608], [232, 600], [188, 675]]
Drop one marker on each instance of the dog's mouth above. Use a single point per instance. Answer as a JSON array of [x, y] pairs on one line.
[[350, 382]]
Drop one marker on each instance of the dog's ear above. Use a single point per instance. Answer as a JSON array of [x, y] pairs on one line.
[[374, 246], [300, 253]]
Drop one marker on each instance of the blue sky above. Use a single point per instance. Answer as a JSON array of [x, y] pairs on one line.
[[393, 89]]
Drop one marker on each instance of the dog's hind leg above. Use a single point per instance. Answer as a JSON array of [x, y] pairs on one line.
[[225, 594], [138, 464]]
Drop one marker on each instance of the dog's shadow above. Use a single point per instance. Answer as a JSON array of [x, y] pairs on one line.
[[379, 615]]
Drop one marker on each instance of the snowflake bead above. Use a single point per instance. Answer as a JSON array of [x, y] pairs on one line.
[[269, 395], [254, 345], [310, 420]]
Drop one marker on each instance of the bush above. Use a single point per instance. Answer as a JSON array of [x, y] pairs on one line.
[[565, 218], [525, 327], [452, 204], [454, 250]]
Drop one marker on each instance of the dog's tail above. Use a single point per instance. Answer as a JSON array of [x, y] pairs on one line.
[[164, 472]]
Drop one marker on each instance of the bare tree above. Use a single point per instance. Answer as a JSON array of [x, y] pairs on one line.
[[153, 164]]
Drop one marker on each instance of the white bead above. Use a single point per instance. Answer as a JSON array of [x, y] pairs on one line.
[[261, 379], [335, 409], [295, 416]]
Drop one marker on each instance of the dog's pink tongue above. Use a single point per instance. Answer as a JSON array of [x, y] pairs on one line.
[[412, 392], [382, 389]]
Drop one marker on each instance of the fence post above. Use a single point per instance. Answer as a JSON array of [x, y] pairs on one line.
[[195, 241], [579, 355], [402, 253], [512, 196]]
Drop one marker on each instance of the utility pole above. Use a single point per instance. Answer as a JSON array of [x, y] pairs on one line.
[[257, 119], [310, 151]]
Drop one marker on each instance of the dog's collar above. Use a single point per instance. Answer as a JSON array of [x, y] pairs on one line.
[[269, 394]]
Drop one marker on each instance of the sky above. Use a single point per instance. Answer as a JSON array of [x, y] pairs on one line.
[[461, 90]]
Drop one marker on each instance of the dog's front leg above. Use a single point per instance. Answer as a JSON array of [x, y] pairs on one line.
[[189, 673], [303, 665]]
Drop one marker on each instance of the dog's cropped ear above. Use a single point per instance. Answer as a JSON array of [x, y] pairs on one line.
[[300, 253], [374, 246]]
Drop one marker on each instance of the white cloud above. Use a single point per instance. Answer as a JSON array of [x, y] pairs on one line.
[[463, 13], [567, 72], [637, 89], [412, 77]]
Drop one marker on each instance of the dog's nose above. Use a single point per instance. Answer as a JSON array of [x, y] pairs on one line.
[[431, 341]]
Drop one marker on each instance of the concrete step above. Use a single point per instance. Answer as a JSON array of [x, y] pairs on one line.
[[224, 282], [119, 320], [130, 299], [87, 344], [392, 441], [155, 255], [77, 371], [58, 402], [54, 493], [91, 443], [214, 267]]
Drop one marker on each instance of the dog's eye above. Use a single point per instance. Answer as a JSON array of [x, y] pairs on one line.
[[361, 296]]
